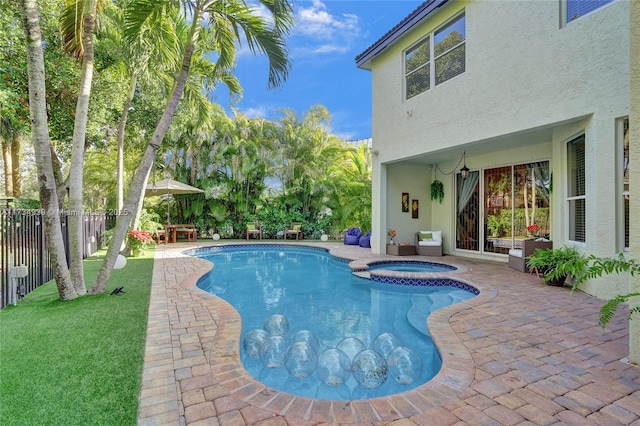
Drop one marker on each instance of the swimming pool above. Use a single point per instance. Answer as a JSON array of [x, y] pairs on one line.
[[318, 293], [411, 266]]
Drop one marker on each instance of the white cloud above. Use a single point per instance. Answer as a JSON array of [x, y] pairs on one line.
[[323, 32], [258, 112]]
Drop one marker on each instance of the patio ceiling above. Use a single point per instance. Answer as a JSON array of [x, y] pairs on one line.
[[480, 147]]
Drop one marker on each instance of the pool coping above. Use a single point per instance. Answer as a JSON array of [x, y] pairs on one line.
[[219, 377]]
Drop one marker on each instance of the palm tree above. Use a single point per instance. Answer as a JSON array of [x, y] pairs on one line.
[[42, 147], [355, 189], [307, 156], [78, 24], [229, 21], [158, 43]]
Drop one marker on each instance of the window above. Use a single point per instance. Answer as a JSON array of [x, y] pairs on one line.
[[427, 66], [576, 191], [417, 68], [448, 46], [578, 8]]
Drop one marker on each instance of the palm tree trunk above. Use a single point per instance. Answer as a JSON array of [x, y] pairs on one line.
[[61, 185], [527, 221], [121, 127], [42, 148], [16, 179], [533, 196], [135, 221], [8, 167], [139, 178], [76, 244]]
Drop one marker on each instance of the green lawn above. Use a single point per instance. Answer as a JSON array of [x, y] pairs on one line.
[[77, 362]]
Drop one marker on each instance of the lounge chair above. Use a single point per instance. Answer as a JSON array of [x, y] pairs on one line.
[[294, 229], [429, 243], [253, 228], [352, 236]]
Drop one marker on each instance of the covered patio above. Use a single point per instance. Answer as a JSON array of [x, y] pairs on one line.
[[519, 352]]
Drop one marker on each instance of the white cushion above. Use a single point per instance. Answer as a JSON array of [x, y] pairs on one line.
[[515, 252], [435, 241], [429, 243]]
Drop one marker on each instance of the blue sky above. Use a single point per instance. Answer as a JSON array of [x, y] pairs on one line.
[[327, 36]]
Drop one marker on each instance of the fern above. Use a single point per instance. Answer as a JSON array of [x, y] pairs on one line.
[[609, 309], [594, 267]]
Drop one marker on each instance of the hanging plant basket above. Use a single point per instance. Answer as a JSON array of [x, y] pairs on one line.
[[437, 191]]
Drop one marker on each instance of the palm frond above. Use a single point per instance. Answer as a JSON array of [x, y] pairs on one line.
[[71, 24]]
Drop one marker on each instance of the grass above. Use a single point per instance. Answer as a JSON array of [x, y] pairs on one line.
[[77, 362]]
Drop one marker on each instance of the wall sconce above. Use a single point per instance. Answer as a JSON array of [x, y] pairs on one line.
[[375, 152], [464, 171], [410, 112]]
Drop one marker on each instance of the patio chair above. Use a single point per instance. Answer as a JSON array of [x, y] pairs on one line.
[[161, 235], [429, 243], [253, 228], [294, 229]]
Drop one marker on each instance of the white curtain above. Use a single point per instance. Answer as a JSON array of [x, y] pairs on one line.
[[468, 186]]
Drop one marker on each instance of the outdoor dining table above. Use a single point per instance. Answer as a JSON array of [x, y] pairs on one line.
[[170, 232]]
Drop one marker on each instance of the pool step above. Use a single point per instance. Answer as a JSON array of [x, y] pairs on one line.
[[363, 274]]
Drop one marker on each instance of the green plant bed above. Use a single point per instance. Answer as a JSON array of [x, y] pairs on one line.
[[77, 362]]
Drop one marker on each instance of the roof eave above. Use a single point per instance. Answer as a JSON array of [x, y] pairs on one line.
[[363, 60]]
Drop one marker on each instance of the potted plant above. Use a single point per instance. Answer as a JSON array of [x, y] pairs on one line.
[[138, 241], [437, 191], [556, 264]]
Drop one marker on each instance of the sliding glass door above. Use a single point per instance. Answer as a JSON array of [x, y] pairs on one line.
[[514, 206]]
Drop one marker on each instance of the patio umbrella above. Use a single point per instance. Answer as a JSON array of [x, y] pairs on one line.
[[169, 187]]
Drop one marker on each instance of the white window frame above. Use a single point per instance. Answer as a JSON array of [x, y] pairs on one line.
[[565, 19], [432, 58], [623, 219], [571, 197], [429, 40]]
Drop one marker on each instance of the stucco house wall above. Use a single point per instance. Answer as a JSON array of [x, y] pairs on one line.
[[531, 84]]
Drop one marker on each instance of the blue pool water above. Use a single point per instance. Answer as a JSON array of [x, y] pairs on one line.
[[411, 266], [318, 293]]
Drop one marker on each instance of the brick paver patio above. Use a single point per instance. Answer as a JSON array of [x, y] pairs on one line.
[[519, 353]]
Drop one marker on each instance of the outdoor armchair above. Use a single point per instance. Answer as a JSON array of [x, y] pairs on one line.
[[294, 229], [253, 228], [429, 243]]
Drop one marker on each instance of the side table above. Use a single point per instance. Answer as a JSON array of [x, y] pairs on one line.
[[398, 250]]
